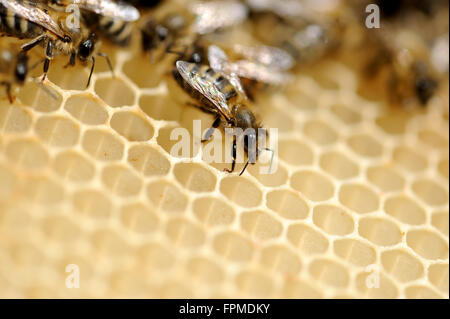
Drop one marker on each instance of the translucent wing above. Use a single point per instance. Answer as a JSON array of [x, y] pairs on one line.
[[110, 8], [218, 60], [259, 72], [217, 14], [29, 11], [272, 57], [284, 8], [206, 88]]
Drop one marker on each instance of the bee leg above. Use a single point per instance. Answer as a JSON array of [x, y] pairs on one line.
[[7, 86], [28, 46], [210, 131], [233, 164], [48, 57], [107, 61], [91, 72]]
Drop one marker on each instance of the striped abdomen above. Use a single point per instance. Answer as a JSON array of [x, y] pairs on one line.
[[116, 30], [13, 24]]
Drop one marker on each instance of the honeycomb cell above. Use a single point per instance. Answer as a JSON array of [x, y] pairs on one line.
[[132, 126], [385, 178], [73, 166], [92, 203], [375, 285], [427, 244], [346, 114], [8, 180], [241, 191], [87, 109], [430, 192], [297, 289], [148, 160], [276, 178], [27, 153], [206, 270], [155, 256], [166, 196], [60, 229], [168, 144], [139, 218], [443, 168], [433, 139], [355, 251], [43, 190], [329, 273], [438, 276], [195, 177], [308, 240], [74, 79], [288, 204], [314, 186], [121, 181], [393, 123], [358, 198], [233, 246], [440, 221], [261, 225], [333, 220], [295, 152], [421, 292], [14, 119], [109, 245], [42, 98], [280, 259], [115, 92], [379, 231], [409, 159], [338, 165], [160, 107], [365, 145], [213, 211], [405, 210], [185, 233], [143, 73], [401, 265], [320, 132], [57, 131], [253, 283], [102, 145], [278, 119]]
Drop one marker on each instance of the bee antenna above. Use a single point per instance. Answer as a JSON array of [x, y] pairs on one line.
[[92, 71], [271, 158]]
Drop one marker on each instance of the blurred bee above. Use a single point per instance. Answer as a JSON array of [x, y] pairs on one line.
[[110, 18], [218, 96], [406, 65], [13, 69]]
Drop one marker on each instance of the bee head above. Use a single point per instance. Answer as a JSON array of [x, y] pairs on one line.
[[86, 47], [245, 119], [21, 69]]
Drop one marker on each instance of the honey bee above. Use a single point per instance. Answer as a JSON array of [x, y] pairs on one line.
[[13, 69], [110, 18], [26, 20], [218, 96]]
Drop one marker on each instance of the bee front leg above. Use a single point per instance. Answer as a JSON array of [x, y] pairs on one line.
[[233, 152], [28, 46], [210, 131], [48, 57], [72, 60]]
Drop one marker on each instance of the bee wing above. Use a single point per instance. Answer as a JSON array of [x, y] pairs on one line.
[[272, 57], [206, 88], [29, 11], [217, 14], [284, 8], [110, 8], [218, 60], [260, 72]]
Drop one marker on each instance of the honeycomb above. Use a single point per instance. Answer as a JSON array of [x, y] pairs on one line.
[[86, 178]]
